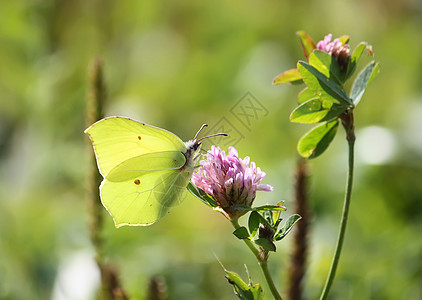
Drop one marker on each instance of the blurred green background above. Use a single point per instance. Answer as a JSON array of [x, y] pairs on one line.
[[176, 65]]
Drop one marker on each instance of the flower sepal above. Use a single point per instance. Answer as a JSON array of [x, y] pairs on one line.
[[201, 195], [260, 208], [231, 212]]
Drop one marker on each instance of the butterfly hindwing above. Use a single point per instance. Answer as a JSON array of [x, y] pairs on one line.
[[144, 199], [149, 162]]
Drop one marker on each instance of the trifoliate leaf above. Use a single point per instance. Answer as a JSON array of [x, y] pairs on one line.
[[375, 73], [291, 221], [326, 64], [362, 81], [307, 43], [265, 244], [305, 95], [325, 88], [316, 141], [355, 57], [253, 222], [315, 111], [241, 233], [290, 76]]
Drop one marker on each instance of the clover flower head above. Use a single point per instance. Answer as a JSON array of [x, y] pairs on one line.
[[230, 180], [335, 48], [332, 47]]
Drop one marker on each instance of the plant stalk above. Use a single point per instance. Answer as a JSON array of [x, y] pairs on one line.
[[94, 112], [262, 261], [347, 121], [297, 268]]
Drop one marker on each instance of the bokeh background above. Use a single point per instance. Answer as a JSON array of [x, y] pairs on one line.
[[176, 65]]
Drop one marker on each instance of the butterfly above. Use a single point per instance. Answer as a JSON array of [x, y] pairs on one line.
[[146, 169]]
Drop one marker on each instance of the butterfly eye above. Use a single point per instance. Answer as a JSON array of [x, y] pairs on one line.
[[137, 182]]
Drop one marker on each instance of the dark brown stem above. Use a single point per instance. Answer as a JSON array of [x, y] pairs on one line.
[[297, 266], [157, 289], [110, 285], [95, 103], [347, 120]]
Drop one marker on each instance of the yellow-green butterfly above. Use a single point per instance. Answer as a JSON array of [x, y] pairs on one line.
[[146, 169]]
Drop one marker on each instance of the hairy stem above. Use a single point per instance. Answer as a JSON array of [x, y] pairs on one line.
[[298, 258], [95, 103], [110, 285], [347, 121], [263, 263]]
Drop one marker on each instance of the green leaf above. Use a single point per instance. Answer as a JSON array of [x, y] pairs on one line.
[[321, 85], [307, 43], [374, 73], [344, 39], [241, 233], [291, 221], [355, 57], [326, 64], [276, 214], [290, 76], [259, 208], [200, 194], [235, 279], [269, 208], [362, 81], [253, 222], [315, 141], [316, 111], [257, 292], [268, 217], [243, 290], [305, 95], [266, 244]]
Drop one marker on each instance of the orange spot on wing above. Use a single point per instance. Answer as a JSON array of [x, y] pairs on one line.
[[137, 182], [139, 137]]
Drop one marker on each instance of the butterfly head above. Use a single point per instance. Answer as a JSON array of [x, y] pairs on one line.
[[193, 146], [197, 142]]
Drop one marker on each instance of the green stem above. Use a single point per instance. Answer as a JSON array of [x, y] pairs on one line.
[[348, 125], [264, 268], [263, 263]]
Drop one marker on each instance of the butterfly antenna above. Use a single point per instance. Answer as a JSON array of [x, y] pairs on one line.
[[212, 135], [200, 129]]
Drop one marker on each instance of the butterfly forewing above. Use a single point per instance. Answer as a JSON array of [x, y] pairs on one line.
[[118, 139]]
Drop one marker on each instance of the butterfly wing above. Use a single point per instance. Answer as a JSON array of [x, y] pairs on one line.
[[145, 198], [144, 168], [145, 163], [117, 139]]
